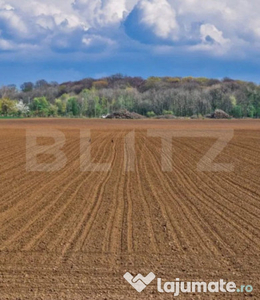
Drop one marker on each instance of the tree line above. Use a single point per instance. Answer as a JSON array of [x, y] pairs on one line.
[[183, 97]]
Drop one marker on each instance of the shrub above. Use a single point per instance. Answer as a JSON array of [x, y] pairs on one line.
[[150, 114]]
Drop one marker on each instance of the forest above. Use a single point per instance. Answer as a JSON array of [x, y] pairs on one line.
[[92, 98]]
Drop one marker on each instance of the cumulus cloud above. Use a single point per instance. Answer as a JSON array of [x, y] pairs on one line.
[[6, 45], [160, 17], [198, 25], [11, 22], [99, 25], [100, 13], [210, 32]]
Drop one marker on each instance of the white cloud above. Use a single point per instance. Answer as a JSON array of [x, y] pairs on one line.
[[210, 31], [192, 24], [13, 22], [89, 40], [6, 45], [8, 7], [159, 15], [102, 12]]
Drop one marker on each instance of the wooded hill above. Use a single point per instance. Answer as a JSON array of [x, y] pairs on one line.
[[182, 97]]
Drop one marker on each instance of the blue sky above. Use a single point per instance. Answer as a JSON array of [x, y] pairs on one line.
[[70, 40]]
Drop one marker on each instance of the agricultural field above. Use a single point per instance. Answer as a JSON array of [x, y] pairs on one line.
[[73, 234]]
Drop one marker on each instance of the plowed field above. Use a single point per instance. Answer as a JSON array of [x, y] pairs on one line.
[[70, 234]]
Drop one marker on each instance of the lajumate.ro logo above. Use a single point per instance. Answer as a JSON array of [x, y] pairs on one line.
[[177, 287]]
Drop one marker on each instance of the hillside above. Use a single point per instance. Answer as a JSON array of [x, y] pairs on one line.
[[182, 97]]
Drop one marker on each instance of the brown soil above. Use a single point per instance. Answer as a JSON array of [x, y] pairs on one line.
[[72, 235]]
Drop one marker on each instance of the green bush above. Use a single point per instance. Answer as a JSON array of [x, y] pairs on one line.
[[150, 114], [167, 112]]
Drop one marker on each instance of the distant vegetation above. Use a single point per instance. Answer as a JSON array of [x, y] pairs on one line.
[[183, 97]]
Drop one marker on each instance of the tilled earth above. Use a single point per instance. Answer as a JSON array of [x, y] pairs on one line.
[[72, 233]]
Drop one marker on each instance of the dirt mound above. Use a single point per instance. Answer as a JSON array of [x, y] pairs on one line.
[[124, 114], [218, 114], [168, 117]]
